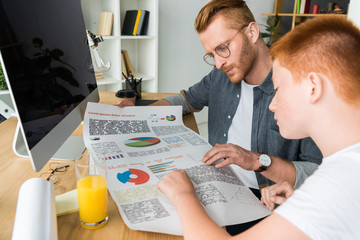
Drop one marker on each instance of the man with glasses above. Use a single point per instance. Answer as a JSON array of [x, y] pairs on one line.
[[238, 92]]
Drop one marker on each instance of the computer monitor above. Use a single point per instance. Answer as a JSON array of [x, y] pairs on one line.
[[47, 64]]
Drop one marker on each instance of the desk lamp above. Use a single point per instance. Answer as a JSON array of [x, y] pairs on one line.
[[100, 63]]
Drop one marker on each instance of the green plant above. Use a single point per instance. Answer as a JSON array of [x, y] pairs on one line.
[[3, 85], [272, 29]]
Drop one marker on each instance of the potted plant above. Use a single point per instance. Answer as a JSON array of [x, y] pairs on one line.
[[3, 85], [272, 29]]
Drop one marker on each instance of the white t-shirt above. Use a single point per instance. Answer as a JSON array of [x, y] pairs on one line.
[[327, 205], [240, 131]]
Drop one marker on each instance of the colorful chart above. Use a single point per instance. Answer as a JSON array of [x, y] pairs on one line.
[[134, 176], [162, 167], [117, 156], [141, 141], [171, 118]]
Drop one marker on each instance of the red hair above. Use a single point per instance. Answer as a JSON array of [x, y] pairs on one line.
[[328, 45], [236, 11]]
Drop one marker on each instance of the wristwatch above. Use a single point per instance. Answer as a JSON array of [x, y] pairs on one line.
[[265, 162]]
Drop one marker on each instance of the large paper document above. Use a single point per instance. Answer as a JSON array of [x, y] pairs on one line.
[[142, 144]]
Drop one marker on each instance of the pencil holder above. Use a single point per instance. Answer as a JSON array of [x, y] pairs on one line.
[[135, 86]]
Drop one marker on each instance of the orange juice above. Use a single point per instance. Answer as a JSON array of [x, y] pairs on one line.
[[92, 195]]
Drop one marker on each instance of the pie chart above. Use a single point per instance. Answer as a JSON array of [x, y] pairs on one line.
[[134, 176], [170, 118], [141, 142]]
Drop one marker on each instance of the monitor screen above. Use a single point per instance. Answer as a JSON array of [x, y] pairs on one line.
[[47, 63]]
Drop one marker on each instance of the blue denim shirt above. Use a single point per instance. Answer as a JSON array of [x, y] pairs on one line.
[[222, 98]]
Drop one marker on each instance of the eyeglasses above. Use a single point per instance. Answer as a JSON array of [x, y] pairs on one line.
[[221, 50], [54, 169]]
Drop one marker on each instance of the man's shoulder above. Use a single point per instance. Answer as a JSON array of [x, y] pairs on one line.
[[217, 74], [217, 77]]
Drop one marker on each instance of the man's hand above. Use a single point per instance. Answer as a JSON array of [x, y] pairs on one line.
[[176, 184], [276, 194], [232, 154], [125, 103]]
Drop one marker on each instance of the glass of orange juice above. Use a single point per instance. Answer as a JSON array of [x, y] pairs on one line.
[[92, 191]]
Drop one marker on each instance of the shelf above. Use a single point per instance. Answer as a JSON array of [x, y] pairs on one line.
[[142, 50], [110, 38], [137, 37], [109, 80], [4, 92], [144, 77], [302, 15], [296, 18]]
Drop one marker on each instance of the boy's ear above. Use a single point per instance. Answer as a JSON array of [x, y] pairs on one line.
[[254, 32], [315, 83]]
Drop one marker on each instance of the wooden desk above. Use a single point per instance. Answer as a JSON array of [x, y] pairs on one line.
[[14, 171]]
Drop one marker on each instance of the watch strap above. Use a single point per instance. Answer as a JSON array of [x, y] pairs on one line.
[[261, 168]]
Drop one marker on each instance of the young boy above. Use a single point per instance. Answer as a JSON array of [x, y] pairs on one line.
[[316, 79]]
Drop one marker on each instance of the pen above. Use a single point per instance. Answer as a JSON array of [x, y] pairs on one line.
[[124, 75], [132, 76]]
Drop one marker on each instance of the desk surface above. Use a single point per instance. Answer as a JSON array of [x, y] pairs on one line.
[[14, 171]]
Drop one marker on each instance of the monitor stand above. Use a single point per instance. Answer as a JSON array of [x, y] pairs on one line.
[[70, 150]]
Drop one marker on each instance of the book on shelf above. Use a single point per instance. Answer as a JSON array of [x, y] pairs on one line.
[[304, 6], [143, 23], [123, 66], [128, 64], [307, 6], [298, 5], [136, 22], [105, 23], [129, 22]]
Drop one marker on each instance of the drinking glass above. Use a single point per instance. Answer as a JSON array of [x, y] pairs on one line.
[[92, 192]]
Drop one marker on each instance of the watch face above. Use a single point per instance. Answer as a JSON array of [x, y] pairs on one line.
[[264, 160]]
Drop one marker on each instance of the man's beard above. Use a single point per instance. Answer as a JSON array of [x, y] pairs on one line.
[[245, 64]]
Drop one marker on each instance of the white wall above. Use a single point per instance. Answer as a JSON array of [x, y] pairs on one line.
[[180, 51], [353, 13]]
